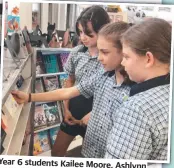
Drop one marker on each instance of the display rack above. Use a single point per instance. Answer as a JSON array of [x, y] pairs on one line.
[[17, 123], [44, 53]]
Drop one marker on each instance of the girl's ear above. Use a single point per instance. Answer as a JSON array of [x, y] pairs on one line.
[[150, 59]]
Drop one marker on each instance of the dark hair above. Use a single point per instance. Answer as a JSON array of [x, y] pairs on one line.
[[96, 15], [113, 32], [153, 35]]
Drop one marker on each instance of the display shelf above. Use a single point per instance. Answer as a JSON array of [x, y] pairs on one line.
[[13, 122], [13, 73], [49, 74], [47, 51], [25, 148], [40, 103], [47, 153], [47, 128], [17, 140]]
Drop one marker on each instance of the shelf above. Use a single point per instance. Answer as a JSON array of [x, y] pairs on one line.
[[40, 103], [13, 73], [47, 51], [47, 128], [26, 147], [47, 153], [17, 140], [13, 122], [50, 74]]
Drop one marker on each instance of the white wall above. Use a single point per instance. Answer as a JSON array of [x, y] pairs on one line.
[[25, 12]]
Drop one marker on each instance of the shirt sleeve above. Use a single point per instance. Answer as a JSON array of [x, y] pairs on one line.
[[88, 86], [130, 136], [70, 65]]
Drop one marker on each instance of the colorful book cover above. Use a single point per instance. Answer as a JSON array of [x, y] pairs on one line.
[[13, 23], [44, 141], [41, 143], [51, 113], [36, 146], [40, 120], [51, 83], [62, 79], [64, 57], [39, 86], [53, 134]]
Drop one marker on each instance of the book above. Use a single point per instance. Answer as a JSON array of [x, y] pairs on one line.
[[51, 113], [36, 146], [40, 66], [40, 120], [64, 57], [39, 85], [51, 83], [62, 79], [41, 143], [53, 134], [10, 107]]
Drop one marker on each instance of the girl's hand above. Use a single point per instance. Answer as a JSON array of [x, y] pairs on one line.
[[20, 97], [85, 119], [68, 118]]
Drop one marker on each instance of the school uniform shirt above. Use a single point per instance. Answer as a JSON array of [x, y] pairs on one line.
[[107, 97], [81, 64], [140, 125]]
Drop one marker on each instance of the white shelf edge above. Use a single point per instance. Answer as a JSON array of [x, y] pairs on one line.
[[17, 140], [25, 148], [47, 128], [50, 74], [40, 103], [12, 80], [47, 153], [12, 127]]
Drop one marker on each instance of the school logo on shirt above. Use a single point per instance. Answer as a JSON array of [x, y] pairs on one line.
[[124, 96]]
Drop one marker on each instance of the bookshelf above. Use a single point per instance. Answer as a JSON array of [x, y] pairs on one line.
[[16, 117], [51, 67]]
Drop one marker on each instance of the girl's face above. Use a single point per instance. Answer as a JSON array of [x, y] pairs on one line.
[[134, 64], [109, 56], [85, 39]]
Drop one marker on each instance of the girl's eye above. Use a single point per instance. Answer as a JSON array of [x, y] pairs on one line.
[[126, 57], [105, 52]]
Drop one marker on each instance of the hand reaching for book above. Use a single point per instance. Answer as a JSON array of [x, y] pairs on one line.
[[20, 97]]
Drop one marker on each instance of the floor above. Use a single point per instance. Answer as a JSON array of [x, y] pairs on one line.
[[75, 147]]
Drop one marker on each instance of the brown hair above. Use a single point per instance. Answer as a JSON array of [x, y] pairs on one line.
[[113, 32], [152, 35]]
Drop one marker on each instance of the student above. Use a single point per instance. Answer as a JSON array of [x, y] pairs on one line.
[[81, 64], [140, 125], [109, 88]]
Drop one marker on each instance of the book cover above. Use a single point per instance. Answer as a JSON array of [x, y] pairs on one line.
[[53, 134], [36, 146], [64, 57], [10, 107], [39, 86], [51, 113], [40, 120], [44, 141], [62, 79], [51, 83]]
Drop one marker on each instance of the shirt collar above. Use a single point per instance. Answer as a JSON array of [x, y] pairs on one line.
[[91, 57], [151, 83], [112, 74]]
